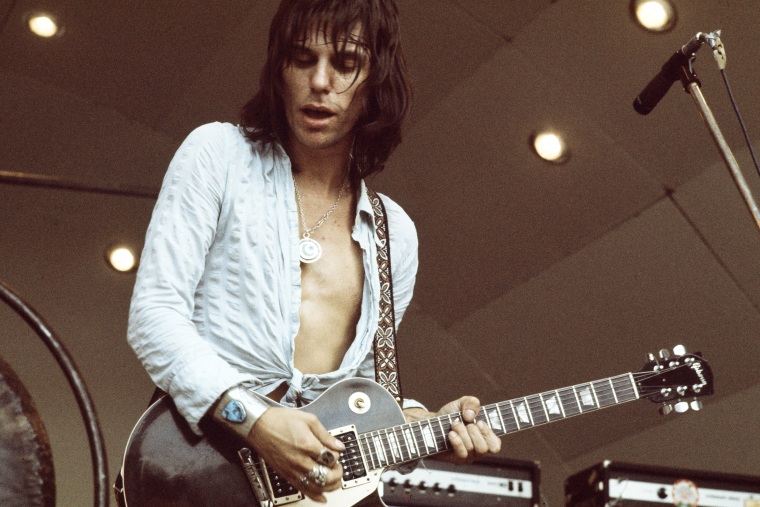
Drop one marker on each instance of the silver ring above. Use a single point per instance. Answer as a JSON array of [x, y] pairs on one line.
[[304, 480], [326, 457], [319, 475]]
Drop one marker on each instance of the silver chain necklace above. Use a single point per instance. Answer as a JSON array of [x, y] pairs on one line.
[[309, 249]]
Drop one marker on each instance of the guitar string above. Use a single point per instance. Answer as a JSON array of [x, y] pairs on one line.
[[608, 392]]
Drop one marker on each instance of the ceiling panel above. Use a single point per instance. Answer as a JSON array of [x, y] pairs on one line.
[[481, 177]]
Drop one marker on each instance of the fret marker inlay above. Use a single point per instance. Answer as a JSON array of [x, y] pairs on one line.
[[552, 405], [522, 413], [495, 420], [586, 397]]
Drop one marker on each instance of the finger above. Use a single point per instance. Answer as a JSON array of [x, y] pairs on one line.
[[479, 433], [326, 457], [470, 408], [325, 438], [460, 440]]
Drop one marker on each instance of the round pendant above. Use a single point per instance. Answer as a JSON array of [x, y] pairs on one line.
[[309, 250]]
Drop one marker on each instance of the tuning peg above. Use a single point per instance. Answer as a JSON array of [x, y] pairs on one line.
[[681, 407], [664, 354], [679, 350], [666, 408], [696, 404], [650, 357]]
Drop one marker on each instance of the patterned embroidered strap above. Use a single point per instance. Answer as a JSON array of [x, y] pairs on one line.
[[386, 360]]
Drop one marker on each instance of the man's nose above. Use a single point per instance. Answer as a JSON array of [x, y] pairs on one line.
[[321, 77]]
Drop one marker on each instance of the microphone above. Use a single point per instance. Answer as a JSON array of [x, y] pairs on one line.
[[661, 83]]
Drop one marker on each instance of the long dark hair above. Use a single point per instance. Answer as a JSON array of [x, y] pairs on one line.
[[378, 131]]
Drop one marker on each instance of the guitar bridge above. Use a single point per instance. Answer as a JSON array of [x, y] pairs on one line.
[[270, 489]]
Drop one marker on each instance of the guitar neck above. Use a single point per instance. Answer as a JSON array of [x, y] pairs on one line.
[[410, 441]]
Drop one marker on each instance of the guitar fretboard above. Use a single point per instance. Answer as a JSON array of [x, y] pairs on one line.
[[411, 441]]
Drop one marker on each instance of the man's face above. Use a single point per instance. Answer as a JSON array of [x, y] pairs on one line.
[[324, 90]]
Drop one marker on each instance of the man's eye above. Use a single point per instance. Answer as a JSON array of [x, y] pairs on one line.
[[300, 58], [346, 63]]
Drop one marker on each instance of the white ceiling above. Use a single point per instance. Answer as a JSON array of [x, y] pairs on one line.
[[532, 276]]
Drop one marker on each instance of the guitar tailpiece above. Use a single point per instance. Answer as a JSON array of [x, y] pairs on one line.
[[254, 479]]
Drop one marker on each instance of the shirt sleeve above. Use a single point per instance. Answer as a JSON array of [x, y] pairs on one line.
[[161, 329]]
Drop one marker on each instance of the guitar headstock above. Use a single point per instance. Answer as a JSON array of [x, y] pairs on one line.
[[675, 377]]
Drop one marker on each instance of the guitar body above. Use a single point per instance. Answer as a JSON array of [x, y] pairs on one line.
[[167, 465]]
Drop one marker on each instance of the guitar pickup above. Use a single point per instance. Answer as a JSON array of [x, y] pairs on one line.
[[352, 459]]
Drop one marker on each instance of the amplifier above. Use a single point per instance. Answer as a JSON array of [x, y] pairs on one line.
[[615, 484], [491, 481]]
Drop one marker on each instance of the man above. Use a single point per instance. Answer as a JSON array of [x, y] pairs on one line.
[[259, 279]]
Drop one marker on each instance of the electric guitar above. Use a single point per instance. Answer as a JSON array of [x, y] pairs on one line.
[[166, 464]]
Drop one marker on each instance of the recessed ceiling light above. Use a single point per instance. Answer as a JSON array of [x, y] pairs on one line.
[[43, 25], [549, 146], [121, 258], [654, 15]]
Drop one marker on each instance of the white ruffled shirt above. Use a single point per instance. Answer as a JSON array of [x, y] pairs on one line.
[[218, 290]]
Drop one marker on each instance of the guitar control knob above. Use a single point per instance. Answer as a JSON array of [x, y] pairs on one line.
[[664, 354], [681, 407], [666, 408], [679, 350], [695, 404]]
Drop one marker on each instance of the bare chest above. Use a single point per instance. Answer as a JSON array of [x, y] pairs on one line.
[[331, 299]]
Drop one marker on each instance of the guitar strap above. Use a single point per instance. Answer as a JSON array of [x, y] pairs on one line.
[[386, 359]]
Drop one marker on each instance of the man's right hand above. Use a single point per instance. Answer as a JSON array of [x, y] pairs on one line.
[[290, 441]]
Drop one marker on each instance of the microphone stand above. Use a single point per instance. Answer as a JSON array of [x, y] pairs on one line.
[[692, 86]]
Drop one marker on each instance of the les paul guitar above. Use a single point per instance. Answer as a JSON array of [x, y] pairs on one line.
[[165, 464]]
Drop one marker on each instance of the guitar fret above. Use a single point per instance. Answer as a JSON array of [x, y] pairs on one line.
[[569, 402], [369, 451], [378, 445], [417, 436], [552, 406], [387, 449], [514, 414], [577, 401], [614, 394], [398, 435], [522, 413], [587, 399], [428, 437], [543, 405], [536, 410], [494, 419], [603, 398], [394, 445], [633, 385], [625, 392], [410, 443], [593, 391], [444, 441], [510, 424]]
